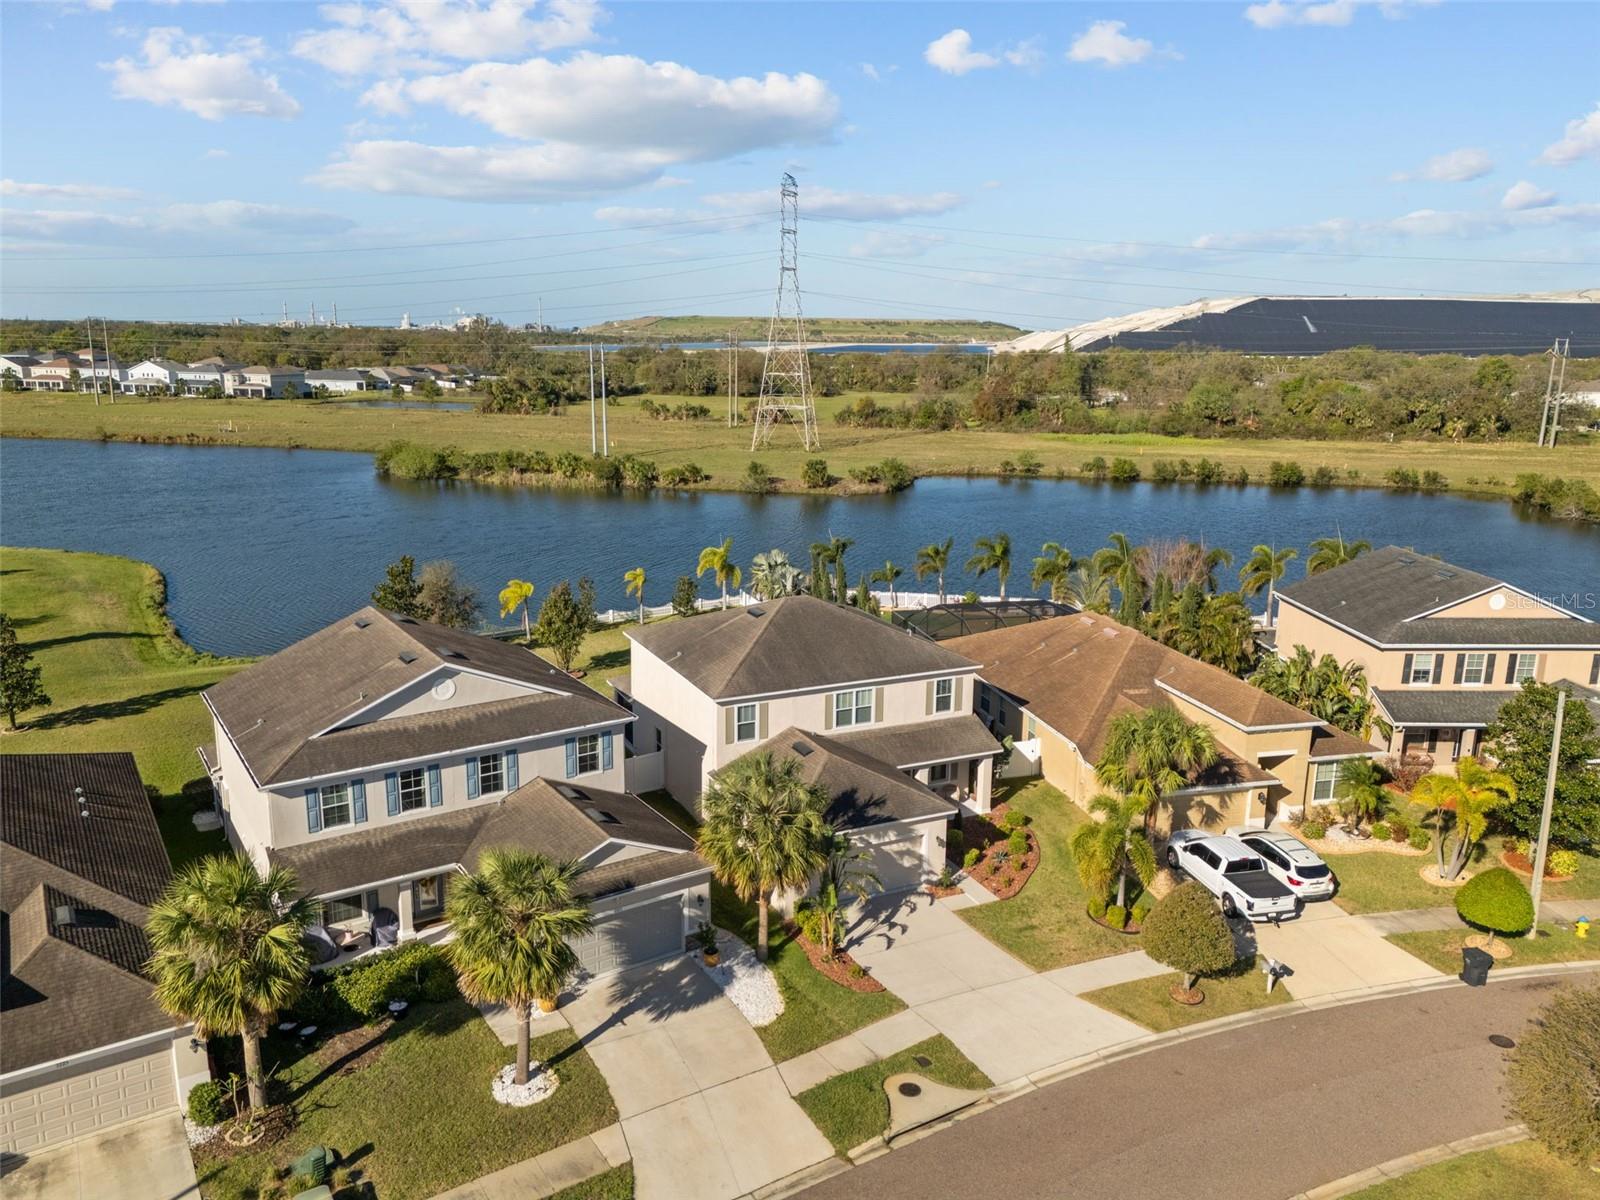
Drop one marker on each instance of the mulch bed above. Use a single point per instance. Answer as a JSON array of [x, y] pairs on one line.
[[354, 1048], [938, 893], [986, 833], [275, 1123], [842, 969], [1130, 928], [1521, 864]]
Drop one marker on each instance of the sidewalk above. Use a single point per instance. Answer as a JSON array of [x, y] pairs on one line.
[[1418, 920], [551, 1171]]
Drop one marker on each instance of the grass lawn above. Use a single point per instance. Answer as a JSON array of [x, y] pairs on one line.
[[1441, 948], [1147, 1002], [1522, 1169], [1378, 882], [815, 1009], [615, 1184], [118, 677], [603, 655], [853, 1107], [418, 1119], [1045, 924]]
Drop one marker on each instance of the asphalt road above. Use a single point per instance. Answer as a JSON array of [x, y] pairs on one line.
[[1258, 1113]]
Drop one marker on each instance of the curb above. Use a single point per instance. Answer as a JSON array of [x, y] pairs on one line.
[[1396, 1167]]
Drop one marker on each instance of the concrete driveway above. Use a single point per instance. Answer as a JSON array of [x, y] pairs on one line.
[[1332, 951], [142, 1160], [1002, 1016], [703, 1109]]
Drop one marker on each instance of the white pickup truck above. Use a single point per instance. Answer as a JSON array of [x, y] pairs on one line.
[[1232, 873]]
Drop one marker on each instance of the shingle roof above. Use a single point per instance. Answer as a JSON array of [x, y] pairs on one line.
[[335, 373], [1328, 742], [938, 740], [863, 790], [1442, 706], [790, 644], [1077, 673], [274, 710], [1382, 594]]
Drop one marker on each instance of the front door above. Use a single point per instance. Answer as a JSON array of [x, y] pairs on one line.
[[427, 897]]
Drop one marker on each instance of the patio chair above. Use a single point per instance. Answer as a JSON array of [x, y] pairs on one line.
[[321, 944], [385, 927]]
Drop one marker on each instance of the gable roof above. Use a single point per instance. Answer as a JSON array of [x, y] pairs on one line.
[[793, 644], [921, 742], [1383, 594], [1077, 673], [276, 711], [862, 790]]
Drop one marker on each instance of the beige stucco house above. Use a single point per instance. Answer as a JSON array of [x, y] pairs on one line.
[[1443, 647]]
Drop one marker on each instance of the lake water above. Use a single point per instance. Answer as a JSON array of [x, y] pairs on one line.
[[263, 546]]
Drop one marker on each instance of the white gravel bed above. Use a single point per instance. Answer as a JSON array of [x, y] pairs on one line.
[[541, 1085], [745, 980], [199, 1135]]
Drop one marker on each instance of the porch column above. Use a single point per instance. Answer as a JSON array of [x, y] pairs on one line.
[[403, 908], [985, 789]]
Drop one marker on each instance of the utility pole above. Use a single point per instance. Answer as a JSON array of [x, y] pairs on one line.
[[1558, 353], [733, 380], [105, 339], [786, 371], [88, 325], [593, 447], [605, 438], [1561, 393], [1549, 802]]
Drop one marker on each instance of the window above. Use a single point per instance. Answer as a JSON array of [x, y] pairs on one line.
[[853, 708], [941, 773], [983, 697], [1422, 668], [413, 789], [944, 695], [1472, 667], [342, 909], [491, 774], [588, 753], [1323, 781], [744, 723], [335, 799], [1523, 666]]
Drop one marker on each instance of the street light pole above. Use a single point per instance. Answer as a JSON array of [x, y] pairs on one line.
[[1549, 801]]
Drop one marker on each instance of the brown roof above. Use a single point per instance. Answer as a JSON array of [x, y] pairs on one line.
[[550, 817], [921, 742], [862, 790], [1328, 742], [1077, 673], [276, 711], [790, 644]]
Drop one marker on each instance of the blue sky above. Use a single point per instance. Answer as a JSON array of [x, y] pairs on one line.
[[1039, 164]]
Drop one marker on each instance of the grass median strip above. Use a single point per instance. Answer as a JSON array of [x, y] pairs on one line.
[[1149, 1002], [1376, 881], [853, 1107], [1521, 1169], [615, 1184], [1442, 948]]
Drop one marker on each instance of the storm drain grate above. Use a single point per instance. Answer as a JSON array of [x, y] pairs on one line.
[[910, 1089]]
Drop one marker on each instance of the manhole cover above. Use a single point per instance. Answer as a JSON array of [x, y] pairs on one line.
[[922, 1060], [909, 1089], [1501, 1040]]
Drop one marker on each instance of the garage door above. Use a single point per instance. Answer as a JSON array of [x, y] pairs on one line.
[[636, 936], [71, 1105], [899, 864]]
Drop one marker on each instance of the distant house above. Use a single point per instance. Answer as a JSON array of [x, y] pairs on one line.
[[19, 366], [59, 374], [265, 383], [97, 364], [339, 380], [157, 375], [81, 861], [402, 378]]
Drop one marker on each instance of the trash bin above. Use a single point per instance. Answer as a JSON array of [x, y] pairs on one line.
[[1475, 966]]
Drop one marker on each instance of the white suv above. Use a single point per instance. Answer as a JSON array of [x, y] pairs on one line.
[[1290, 861]]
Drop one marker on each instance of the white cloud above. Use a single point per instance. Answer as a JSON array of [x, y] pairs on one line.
[[816, 201], [1279, 14], [1104, 42], [953, 54], [216, 152], [1522, 194], [175, 224], [1421, 223], [1581, 140], [1456, 166], [183, 71], [65, 191], [498, 174], [893, 244], [1026, 53], [871, 72]]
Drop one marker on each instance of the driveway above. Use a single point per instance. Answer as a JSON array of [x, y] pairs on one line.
[[1332, 951], [142, 1160], [1002, 1016], [703, 1109]]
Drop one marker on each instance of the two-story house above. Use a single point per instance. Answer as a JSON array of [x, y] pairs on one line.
[[1056, 685], [879, 716], [154, 375], [1443, 647], [380, 756], [265, 383]]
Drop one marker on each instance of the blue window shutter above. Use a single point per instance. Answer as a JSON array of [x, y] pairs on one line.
[[472, 779], [511, 770], [435, 792], [605, 751], [358, 801], [391, 786], [372, 903], [313, 811], [572, 757]]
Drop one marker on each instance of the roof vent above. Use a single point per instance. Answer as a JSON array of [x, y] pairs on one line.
[[599, 816], [755, 612], [1405, 560], [803, 749], [1444, 574], [570, 792], [362, 622], [406, 620], [448, 652], [64, 914], [408, 656]]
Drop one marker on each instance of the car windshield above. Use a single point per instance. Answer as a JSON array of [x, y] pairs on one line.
[[1312, 871], [1240, 865]]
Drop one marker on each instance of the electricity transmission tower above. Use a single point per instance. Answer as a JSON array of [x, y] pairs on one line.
[[1554, 391], [785, 372]]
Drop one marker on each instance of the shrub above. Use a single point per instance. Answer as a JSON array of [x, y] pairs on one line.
[[1432, 481], [1554, 1076], [1164, 470], [1014, 819], [953, 841], [1285, 475], [1124, 470], [685, 595], [1561, 862], [410, 460], [568, 465], [1142, 907], [815, 473], [1399, 829], [758, 479], [1497, 902], [683, 475], [1187, 932], [971, 857], [1208, 470], [1240, 476], [1094, 467], [897, 477], [1324, 477], [206, 1104], [1420, 839], [641, 472], [1116, 916], [412, 972], [1097, 908], [1381, 831], [605, 471], [1403, 478], [1314, 830], [1017, 843]]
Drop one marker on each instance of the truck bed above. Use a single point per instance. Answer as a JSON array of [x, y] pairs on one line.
[[1259, 885]]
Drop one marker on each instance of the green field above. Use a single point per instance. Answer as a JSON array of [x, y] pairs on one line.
[[725, 452], [818, 329], [117, 674]]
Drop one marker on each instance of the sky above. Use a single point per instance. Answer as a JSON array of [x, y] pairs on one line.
[[1037, 164]]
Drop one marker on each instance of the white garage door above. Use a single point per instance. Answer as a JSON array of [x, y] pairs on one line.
[[96, 1097], [636, 936], [899, 864]]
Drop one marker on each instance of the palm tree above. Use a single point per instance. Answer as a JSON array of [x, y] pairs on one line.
[[1116, 844], [888, 573], [1360, 789], [1471, 795], [993, 554], [841, 581], [1151, 753], [514, 920], [772, 575], [1086, 589], [633, 583], [1053, 566], [1214, 558], [1330, 552], [227, 952], [934, 559], [1263, 569], [1121, 562], [719, 561], [819, 571], [1335, 692], [847, 875], [1226, 636], [513, 596], [762, 830]]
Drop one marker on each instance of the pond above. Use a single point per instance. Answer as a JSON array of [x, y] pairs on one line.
[[263, 546]]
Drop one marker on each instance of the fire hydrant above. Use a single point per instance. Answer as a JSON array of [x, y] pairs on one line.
[[1583, 927]]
